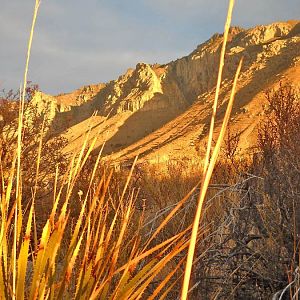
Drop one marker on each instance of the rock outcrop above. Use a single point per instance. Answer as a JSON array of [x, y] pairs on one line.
[[54, 105]]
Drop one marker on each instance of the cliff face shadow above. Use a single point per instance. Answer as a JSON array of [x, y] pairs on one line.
[[156, 113], [159, 104]]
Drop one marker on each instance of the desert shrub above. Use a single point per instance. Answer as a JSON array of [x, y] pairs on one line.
[[279, 144], [103, 253], [161, 188]]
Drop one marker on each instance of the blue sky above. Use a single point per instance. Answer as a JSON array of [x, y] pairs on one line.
[[80, 42]]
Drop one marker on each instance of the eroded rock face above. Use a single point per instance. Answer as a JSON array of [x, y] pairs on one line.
[[144, 88], [80, 96], [197, 73], [263, 34]]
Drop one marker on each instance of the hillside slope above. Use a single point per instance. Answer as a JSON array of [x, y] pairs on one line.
[[163, 111]]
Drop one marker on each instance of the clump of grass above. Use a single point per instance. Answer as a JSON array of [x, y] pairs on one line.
[[99, 255]]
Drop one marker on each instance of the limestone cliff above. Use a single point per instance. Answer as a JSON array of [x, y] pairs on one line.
[[197, 72], [155, 109]]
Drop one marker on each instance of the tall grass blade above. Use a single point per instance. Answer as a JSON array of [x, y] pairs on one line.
[[219, 80], [204, 187]]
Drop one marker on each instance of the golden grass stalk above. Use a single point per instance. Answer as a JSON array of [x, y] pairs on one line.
[[204, 187], [18, 209], [208, 162], [94, 243], [219, 80]]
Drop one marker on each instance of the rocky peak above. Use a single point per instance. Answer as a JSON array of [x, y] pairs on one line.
[[263, 34], [131, 91]]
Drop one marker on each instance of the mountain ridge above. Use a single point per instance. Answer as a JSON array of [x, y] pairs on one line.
[[162, 111]]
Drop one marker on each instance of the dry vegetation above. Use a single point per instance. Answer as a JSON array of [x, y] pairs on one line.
[[119, 234], [35, 129], [75, 228]]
